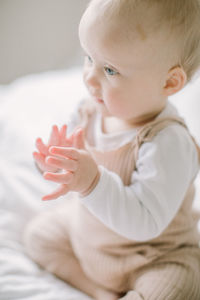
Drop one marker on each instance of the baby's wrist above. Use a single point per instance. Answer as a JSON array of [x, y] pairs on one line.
[[92, 185]]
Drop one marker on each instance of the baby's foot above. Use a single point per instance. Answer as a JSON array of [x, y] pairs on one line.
[[106, 295]]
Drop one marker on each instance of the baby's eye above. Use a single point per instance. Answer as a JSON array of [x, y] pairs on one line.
[[110, 71]]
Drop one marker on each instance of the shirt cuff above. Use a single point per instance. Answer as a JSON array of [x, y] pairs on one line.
[[93, 195]]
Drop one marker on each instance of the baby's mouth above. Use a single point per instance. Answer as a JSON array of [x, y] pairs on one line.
[[99, 100]]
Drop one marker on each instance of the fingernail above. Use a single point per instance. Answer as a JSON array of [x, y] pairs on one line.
[[45, 175], [51, 149], [44, 199]]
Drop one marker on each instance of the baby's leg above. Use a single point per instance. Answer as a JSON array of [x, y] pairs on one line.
[[47, 242], [167, 281]]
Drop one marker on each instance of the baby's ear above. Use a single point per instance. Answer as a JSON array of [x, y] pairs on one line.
[[175, 81]]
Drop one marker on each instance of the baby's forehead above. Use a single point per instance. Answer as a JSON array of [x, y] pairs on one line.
[[118, 48], [109, 26], [128, 21], [122, 47]]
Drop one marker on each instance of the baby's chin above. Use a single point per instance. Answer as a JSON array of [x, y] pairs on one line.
[[102, 109]]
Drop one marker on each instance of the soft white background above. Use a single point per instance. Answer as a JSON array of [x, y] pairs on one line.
[[38, 35]]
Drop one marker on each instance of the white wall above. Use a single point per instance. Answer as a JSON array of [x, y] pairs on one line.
[[38, 35]]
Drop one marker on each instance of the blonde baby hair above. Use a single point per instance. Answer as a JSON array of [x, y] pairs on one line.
[[181, 18]]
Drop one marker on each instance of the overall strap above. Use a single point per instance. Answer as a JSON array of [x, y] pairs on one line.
[[147, 132]]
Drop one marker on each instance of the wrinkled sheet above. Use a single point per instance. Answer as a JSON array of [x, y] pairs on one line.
[[28, 108]]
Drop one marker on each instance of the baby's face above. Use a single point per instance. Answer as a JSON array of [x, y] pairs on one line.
[[124, 76]]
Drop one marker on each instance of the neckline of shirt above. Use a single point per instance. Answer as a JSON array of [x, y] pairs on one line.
[[110, 141]]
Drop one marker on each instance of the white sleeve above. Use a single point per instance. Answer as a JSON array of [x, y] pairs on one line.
[[142, 210]]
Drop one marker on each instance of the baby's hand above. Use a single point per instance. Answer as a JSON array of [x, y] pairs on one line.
[[57, 138], [80, 171]]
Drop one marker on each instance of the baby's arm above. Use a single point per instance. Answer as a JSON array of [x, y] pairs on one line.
[[143, 210]]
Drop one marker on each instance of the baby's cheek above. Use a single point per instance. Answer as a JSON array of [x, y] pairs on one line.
[[114, 100]]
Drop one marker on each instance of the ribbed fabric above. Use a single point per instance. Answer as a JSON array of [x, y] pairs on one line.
[[165, 268]]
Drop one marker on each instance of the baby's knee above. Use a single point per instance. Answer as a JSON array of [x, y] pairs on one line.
[[32, 237], [37, 239]]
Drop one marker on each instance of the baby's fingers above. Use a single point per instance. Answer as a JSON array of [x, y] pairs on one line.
[[79, 139], [39, 158], [42, 148], [66, 164], [54, 136], [64, 139], [65, 152], [41, 163], [60, 191], [63, 178], [63, 134]]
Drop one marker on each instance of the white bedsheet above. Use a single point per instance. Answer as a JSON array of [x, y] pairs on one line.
[[28, 108]]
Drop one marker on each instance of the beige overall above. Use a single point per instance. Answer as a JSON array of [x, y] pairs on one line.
[[164, 268]]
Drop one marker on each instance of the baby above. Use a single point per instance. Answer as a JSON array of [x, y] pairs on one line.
[[126, 229]]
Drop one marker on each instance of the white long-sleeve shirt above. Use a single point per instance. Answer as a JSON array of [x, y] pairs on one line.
[[165, 168]]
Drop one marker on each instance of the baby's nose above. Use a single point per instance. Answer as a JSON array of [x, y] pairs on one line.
[[92, 79]]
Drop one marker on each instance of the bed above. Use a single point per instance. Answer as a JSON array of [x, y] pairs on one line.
[[28, 108]]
